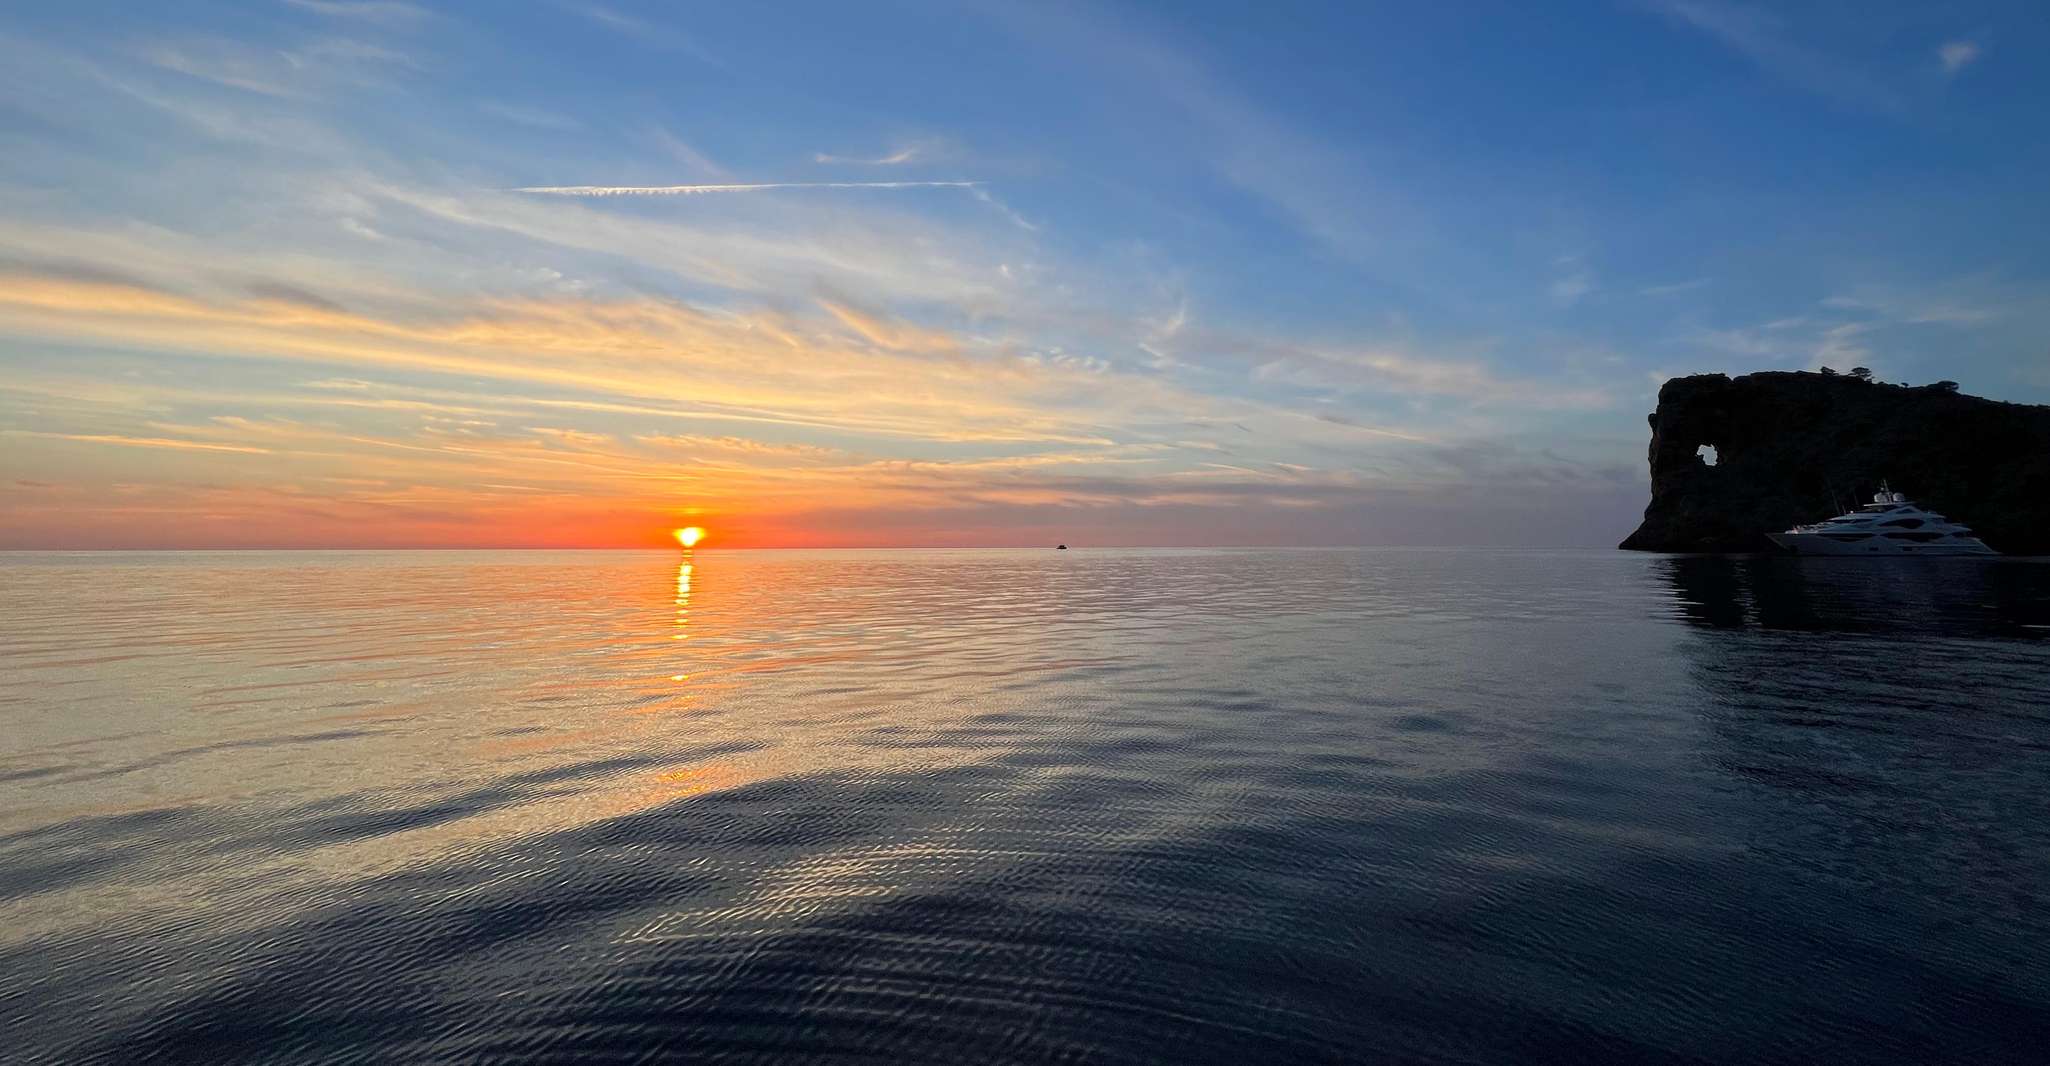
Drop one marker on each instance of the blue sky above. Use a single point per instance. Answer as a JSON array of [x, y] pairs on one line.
[[1192, 273]]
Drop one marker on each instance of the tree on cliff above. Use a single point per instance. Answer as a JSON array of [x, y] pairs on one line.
[[1862, 373]]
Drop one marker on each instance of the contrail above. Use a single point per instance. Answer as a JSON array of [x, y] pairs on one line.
[[697, 190]]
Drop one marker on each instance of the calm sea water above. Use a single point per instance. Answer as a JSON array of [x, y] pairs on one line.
[[1091, 806]]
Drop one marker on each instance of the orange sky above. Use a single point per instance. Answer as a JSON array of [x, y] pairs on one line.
[[240, 420]]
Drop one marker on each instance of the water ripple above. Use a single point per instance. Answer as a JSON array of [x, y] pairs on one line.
[[1133, 806]]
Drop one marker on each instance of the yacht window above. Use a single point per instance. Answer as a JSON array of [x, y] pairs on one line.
[[1904, 523], [1919, 538], [1848, 536]]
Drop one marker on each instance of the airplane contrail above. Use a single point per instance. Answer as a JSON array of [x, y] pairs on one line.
[[698, 190]]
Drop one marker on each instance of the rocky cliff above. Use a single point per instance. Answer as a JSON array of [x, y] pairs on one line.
[[1799, 447]]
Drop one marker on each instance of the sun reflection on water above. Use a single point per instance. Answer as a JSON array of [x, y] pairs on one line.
[[683, 571]]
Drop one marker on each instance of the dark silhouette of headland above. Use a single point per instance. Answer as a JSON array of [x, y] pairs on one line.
[[1734, 458]]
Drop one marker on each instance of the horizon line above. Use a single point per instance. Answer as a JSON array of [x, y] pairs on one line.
[[831, 547]]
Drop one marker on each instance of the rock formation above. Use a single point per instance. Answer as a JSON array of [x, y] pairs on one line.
[[1800, 447]]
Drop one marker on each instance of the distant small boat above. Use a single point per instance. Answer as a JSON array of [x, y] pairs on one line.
[[1890, 525], [1060, 547]]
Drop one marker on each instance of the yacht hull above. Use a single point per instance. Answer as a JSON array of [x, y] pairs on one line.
[[1818, 544]]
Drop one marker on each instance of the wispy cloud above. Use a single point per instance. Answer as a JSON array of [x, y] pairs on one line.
[[1003, 208], [899, 157], [297, 73], [697, 190], [646, 32], [1957, 55], [891, 335], [852, 408], [1904, 329], [265, 74], [1763, 37], [1675, 288], [140, 442], [1574, 281], [688, 154], [764, 367], [530, 116], [387, 12], [1972, 301], [1393, 371], [1327, 189]]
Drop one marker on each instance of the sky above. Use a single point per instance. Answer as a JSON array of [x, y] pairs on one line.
[[418, 273]]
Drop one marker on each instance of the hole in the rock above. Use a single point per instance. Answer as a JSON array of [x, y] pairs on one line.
[[1706, 453]]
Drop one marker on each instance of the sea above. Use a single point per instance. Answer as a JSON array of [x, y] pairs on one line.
[[1088, 806]]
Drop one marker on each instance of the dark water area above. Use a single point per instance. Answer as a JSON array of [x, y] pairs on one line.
[[1087, 806]]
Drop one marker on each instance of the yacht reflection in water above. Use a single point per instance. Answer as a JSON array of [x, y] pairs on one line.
[[1963, 597], [1873, 738]]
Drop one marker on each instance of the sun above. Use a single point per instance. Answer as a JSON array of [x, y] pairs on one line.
[[689, 536]]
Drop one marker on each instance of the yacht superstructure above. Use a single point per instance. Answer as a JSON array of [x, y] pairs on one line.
[[1890, 525]]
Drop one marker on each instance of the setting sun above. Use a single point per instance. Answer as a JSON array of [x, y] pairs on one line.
[[689, 536]]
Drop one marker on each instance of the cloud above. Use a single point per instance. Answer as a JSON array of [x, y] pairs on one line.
[[1957, 55], [647, 33], [881, 252], [696, 190], [529, 116], [960, 362], [291, 294], [1400, 373], [139, 442], [1764, 38], [387, 12], [1002, 208], [1349, 422], [555, 403], [1962, 302], [892, 335], [1675, 288], [896, 158], [264, 74], [688, 154], [1903, 328], [746, 448], [291, 74], [1575, 281], [1331, 192], [852, 372]]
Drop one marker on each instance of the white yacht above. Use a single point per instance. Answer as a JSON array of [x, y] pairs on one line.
[[1890, 525]]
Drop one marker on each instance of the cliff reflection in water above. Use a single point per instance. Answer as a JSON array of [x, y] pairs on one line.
[[1961, 597], [1883, 725]]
